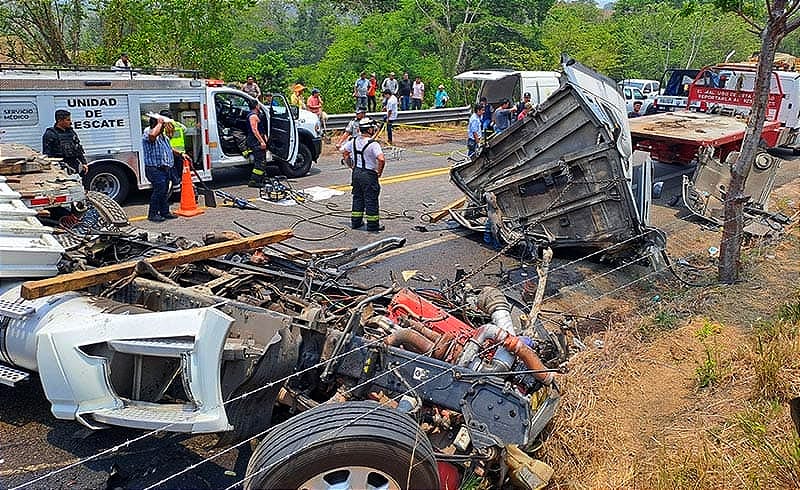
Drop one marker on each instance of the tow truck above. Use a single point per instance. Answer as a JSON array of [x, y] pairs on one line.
[[719, 102]]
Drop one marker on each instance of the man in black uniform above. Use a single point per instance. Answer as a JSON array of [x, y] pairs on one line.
[[258, 142], [61, 141], [365, 156]]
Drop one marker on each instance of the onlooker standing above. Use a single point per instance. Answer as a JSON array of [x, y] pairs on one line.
[[158, 160], [440, 98], [61, 141], [258, 142], [123, 63], [365, 156], [360, 90], [296, 98], [474, 130], [637, 107], [351, 131], [404, 92], [373, 88], [251, 88], [390, 83], [390, 101], [417, 94], [503, 116], [314, 104]]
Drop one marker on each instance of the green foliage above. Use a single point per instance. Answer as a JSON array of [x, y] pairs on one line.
[[708, 373], [356, 49], [579, 29], [776, 346], [326, 43], [656, 36]]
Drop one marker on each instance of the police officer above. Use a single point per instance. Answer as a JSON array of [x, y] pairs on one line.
[[61, 141], [365, 156], [257, 142]]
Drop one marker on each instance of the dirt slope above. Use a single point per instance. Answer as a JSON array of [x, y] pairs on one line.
[[674, 394]]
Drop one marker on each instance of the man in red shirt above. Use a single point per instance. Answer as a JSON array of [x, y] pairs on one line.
[[373, 87]]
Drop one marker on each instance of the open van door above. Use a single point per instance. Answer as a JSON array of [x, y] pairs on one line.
[[229, 120], [497, 85]]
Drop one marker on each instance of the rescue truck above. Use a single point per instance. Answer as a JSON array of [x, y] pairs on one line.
[[110, 108]]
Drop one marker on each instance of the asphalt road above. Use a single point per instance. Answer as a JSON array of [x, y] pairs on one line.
[[33, 443]]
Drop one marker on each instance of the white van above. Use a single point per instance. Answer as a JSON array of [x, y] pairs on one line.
[[109, 113], [497, 85]]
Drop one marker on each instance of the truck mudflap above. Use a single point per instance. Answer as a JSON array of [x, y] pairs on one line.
[[102, 362], [562, 176], [704, 193]]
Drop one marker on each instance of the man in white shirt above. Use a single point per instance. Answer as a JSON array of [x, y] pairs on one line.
[[390, 101], [123, 63], [417, 94], [364, 155]]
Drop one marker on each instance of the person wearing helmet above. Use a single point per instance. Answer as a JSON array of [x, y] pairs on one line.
[[365, 157], [351, 131]]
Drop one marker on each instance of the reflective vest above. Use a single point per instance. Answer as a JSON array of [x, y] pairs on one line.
[[177, 140]]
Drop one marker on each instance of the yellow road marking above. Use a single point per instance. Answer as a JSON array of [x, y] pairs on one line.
[[416, 246], [422, 174]]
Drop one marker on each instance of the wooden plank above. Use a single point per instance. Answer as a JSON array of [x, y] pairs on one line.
[[84, 279], [438, 215]]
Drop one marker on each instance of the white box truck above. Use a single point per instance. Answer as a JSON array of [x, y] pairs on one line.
[[109, 113]]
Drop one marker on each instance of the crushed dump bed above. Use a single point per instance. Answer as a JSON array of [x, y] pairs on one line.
[[558, 176]]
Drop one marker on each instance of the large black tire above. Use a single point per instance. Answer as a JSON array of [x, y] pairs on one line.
[[377, 446], [302, 163], [108, 209], [108, 179]]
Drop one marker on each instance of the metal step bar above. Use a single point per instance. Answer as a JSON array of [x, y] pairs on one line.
[[11, 376]]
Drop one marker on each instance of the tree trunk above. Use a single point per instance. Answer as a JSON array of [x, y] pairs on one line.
[[732, 231]]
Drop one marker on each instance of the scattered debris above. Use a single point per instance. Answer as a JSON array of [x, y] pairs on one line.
[[704, 193]]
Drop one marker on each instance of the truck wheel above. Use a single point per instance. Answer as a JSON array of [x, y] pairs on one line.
[[302, 163], [352, 445], [109, 180]]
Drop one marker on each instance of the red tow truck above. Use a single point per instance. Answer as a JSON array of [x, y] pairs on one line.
[[720, 98]]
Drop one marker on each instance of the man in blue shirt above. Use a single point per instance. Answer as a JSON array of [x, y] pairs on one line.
[[502, 116], [158, 160], [474, 130]]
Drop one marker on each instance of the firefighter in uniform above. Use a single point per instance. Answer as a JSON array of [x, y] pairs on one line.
[[61, 141], [365, 157], [258, 142]]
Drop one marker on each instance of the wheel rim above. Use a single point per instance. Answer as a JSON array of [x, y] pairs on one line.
[[108, 184], [351, 478]]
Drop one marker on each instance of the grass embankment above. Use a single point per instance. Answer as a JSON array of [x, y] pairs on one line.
[[693, 391]]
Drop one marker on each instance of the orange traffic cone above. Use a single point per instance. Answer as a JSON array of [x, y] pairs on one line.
[[188, 202]]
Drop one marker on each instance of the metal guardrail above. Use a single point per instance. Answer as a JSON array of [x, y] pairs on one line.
[[426, 116]]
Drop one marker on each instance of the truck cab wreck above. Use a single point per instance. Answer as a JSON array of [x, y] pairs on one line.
[[404, 381], [565, 176]]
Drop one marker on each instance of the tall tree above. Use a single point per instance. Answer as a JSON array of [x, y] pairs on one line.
[[50, 29], [772, 24]]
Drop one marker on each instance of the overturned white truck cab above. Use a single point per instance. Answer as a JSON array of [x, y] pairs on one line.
[[564, 176]]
